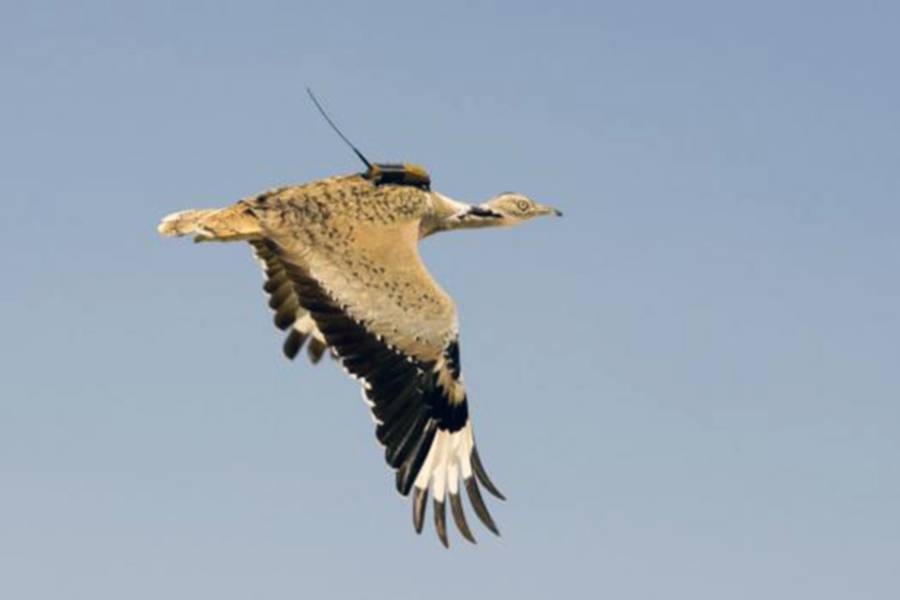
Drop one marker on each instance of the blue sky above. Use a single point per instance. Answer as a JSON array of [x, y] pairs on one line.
[[686, 387]]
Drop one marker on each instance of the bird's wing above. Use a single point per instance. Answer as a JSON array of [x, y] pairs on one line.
[[393, 328], [289, 315]]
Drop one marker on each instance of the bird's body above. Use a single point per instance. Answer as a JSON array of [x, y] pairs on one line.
[[343, 272]]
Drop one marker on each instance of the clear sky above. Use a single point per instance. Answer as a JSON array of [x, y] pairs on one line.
[[688, 387]]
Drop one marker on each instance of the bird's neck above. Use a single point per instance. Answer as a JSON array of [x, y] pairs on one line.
[[448, 215]]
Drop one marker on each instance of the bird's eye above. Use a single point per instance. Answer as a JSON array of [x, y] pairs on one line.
[[523, 205]]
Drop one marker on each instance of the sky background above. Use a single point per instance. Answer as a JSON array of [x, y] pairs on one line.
[[688, 387]]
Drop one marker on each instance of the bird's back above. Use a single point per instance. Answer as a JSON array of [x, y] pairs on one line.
[[361, 240], [337, 204]]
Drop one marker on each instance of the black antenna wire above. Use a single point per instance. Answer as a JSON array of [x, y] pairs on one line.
[[336, 130]]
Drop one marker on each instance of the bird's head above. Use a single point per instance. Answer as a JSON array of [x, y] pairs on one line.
[[509, 208]]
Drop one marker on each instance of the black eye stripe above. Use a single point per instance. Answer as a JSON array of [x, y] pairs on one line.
[[483, 212]]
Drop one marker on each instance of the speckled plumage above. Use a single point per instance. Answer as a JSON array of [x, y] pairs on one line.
[[360, 241], [343, 272]]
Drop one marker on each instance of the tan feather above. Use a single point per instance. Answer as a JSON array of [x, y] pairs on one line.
[[206, 225]]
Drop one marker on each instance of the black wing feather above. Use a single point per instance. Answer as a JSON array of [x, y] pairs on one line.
[[284, 302]]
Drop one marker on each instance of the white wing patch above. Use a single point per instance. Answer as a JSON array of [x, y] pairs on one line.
[[449, 456]]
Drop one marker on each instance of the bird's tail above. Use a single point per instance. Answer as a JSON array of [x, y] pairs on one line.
[[214, 224]]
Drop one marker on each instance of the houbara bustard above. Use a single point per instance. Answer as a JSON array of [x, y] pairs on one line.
[[343, 274]]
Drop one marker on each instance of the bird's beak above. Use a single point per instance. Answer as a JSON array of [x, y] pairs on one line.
[[549, 210]]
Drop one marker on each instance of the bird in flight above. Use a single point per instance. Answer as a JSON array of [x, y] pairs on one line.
[[344, 276]]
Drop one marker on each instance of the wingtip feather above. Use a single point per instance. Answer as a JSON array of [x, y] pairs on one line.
[[420, 503], [479, 506]]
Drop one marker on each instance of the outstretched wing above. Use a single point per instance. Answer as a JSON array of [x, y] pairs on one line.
[[289, 315], [395, 329]]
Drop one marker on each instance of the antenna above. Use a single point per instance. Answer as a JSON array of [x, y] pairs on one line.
[[336, 130]]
